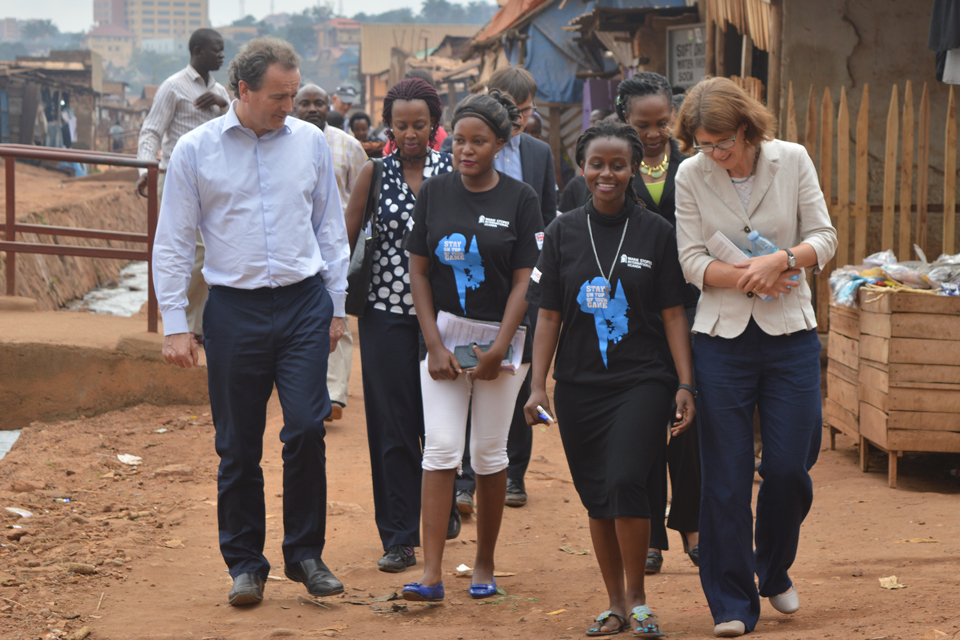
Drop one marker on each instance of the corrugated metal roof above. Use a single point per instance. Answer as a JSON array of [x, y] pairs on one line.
[[509, 15], [376, 41]]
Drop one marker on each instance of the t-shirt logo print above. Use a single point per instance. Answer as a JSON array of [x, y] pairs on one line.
[[466, 262], [609, 315]]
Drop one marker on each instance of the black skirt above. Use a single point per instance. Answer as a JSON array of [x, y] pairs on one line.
[[611, 438]]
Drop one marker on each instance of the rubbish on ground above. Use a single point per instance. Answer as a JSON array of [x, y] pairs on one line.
[[891, 583], [23, 513], [160, 430], [917, 541], [573, 551], [126, 458], [553, 613]]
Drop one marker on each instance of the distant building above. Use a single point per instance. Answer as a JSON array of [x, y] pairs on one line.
[[110, 12], [277, 20], [337, 33], [166, 46], [114, 43], [10, 30], [166, 18]]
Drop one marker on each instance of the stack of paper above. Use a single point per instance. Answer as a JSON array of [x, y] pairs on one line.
[[458, 332]]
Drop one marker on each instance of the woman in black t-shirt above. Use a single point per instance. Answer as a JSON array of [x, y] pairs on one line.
[[473, 241], [611, 294]]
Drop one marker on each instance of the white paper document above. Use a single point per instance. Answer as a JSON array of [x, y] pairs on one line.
[[723, 249], [459, 332]]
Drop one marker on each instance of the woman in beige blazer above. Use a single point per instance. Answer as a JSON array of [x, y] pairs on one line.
[[756, 345]]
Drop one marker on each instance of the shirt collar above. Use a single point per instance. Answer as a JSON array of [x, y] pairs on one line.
[[231, 121], [195, 75], [514, 142]]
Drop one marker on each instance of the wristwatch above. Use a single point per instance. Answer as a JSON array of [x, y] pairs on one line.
[[791, 259]]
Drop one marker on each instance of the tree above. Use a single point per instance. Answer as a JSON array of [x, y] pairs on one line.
[[404, 15], [10, 50], [245, 21], [299, 32], [38, 29]]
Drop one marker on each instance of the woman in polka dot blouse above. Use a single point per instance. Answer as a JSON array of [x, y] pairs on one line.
[[389, 332]]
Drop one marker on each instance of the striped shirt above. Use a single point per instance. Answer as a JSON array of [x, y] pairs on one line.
[[348, 158], [173, 114]]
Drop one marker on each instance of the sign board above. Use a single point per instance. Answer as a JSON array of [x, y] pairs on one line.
[[686, 54]]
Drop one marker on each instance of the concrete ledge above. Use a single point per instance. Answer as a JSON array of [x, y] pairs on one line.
[[56, 382], [142, 345], [18, 303]]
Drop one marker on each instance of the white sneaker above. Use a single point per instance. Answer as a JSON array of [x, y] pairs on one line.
[[788, 602], [732, 629]]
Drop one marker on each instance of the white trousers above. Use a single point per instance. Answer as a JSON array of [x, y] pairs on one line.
[[445, 406]]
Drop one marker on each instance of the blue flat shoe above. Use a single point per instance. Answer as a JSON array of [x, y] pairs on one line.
[[478, 591], [417, 592]]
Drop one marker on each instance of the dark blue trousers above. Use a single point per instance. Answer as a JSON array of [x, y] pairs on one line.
[[256, 339], [390, 353], [780, 376]]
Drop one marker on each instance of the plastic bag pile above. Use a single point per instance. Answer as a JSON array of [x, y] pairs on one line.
[[882, 269]]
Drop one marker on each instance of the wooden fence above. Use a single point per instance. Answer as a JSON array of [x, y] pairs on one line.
[[907, 130]]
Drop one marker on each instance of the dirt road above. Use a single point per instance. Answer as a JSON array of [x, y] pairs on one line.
[[149, 536]]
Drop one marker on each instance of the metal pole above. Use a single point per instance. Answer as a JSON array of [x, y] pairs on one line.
[[11, 234], [152, 307]]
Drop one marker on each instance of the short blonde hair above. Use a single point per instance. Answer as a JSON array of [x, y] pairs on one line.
[[718, 106]]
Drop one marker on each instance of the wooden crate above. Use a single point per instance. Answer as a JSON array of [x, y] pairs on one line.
[[909, 375], [842, 408]]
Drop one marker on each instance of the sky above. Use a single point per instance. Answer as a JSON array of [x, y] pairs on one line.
[[73, 15]]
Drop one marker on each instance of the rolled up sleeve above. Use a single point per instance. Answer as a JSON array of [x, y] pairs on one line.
[[814, 219], [692, 248], [175, 242], [331, 231]]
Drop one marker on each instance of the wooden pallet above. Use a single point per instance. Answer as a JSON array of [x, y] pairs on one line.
[[843, 373]]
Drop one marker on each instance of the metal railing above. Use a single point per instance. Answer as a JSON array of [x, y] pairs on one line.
[[10, 228]]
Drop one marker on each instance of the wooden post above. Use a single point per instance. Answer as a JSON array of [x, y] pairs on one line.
[[950, 177], [746, 57], [773, 57], [890, 173], [556, 141], [11, 223], [710, 20], [843, 180], [906, 172], [791, 131], [720, 40], [862, 206], [826, 184], [923, 167], [810, 127]]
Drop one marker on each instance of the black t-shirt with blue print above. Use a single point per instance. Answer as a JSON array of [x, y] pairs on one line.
[[475, 241], [615, 338]]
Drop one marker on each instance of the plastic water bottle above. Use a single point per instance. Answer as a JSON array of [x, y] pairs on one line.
[[761, 247]]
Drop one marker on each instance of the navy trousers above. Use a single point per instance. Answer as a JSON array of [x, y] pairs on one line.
[[256, 339], [389, 351], [780, 377]]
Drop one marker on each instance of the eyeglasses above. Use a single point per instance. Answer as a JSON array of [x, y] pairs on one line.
[[723, 146], [526, 113]]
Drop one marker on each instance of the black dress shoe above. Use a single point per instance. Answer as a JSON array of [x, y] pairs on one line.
[[397, 559], [465, 502], [247, 589], [455, 523], [654, 562], [319, 580], [516, 493]]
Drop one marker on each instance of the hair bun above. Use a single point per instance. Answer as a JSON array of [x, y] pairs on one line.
[[507, 102]]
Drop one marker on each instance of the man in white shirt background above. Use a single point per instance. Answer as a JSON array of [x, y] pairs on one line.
[[183, 102], [260, 187], [313, 105]]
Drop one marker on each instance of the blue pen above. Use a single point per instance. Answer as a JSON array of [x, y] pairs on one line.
[[544, 414]]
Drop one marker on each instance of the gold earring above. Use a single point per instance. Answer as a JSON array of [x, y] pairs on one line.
[[496, 155]]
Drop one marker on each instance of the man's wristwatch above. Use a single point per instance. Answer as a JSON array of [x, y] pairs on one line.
[[791, 259]]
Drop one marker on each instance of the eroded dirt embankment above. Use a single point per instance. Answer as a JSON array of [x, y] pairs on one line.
[[44, 197]]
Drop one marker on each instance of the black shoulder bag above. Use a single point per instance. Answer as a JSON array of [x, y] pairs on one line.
[[361, 262]]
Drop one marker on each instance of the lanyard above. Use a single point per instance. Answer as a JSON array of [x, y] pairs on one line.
[[597, 257]]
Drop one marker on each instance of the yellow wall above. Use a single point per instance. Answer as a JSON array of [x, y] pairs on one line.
[[114, 49], [166, 18]]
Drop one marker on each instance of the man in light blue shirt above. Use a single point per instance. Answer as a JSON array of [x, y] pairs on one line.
[[261, 189], [508, 160]]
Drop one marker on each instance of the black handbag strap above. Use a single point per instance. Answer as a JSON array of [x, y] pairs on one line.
[[370, 213]]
